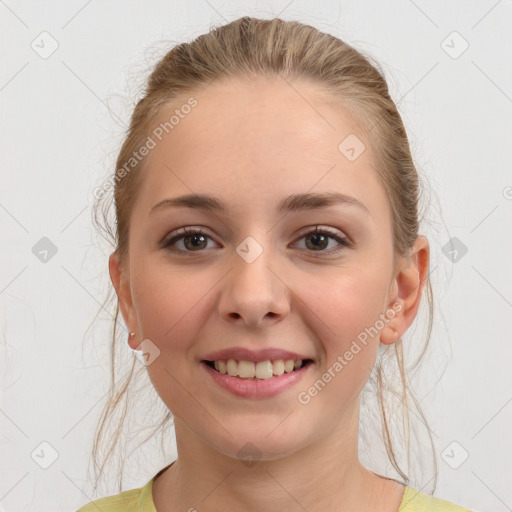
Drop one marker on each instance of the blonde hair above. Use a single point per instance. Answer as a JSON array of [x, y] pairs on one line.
[[272, 48]]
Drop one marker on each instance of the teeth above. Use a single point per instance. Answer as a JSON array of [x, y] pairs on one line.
[[289, 365], [278, 367], [246, 370], [261, 370], [232, 366]]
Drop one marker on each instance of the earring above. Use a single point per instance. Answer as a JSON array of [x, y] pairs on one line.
[[132, 334], [393, 334]]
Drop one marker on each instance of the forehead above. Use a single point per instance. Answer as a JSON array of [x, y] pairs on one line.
[[259, 118], [254, 141]]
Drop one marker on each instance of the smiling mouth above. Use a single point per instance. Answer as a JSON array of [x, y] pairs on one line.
[[262, 370]]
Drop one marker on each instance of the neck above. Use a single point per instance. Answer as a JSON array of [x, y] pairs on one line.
[[325, 475]]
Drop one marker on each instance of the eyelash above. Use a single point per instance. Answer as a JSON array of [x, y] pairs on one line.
[[188, 231]]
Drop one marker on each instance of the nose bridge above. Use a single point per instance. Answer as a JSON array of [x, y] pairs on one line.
[[253, 290]]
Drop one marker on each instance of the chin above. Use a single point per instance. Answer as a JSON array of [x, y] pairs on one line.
[[248, 443], [249, 453]]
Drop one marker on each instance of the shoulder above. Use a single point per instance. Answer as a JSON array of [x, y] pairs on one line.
[[134, 500], [417, 501]]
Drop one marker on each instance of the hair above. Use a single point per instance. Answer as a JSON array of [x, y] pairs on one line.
[[249, 47]]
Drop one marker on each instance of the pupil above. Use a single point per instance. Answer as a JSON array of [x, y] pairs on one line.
[[318, 239], [196, 238]]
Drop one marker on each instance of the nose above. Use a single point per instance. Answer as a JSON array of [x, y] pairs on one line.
[[254, 293]]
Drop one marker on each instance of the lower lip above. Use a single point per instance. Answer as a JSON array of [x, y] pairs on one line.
[[257, 388]]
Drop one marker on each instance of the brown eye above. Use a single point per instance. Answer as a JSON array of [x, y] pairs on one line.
[[194, 240], [318, 241]]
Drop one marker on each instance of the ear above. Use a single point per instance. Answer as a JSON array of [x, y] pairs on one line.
[[406, 291], [120, 279]]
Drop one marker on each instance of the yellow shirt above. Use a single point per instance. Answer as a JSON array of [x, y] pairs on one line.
[[141, 500]]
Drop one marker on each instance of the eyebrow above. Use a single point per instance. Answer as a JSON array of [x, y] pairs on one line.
[[293, 203]]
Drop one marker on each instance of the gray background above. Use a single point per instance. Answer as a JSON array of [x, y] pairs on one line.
[[62, 117]]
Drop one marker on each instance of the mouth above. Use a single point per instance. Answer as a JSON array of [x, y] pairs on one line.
[[263, 377], [260, 370]]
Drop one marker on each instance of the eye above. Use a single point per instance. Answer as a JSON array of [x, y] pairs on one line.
[[193, 240], [319, 240]]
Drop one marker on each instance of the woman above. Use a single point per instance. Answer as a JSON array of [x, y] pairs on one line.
[[267, 246]]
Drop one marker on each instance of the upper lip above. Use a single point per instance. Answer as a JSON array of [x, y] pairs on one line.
[[245, 354]]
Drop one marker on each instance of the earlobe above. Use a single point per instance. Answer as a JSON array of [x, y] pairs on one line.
[[408, 287], [121, 284], [389, 334]]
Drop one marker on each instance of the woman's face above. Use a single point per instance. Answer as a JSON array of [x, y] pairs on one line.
[[258, 283]]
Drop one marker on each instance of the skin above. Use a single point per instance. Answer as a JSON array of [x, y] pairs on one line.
[[252, 143]]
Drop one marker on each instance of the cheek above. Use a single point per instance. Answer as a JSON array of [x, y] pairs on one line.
[[344, 315], [170, 304], [347, 304], [169, 300]]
